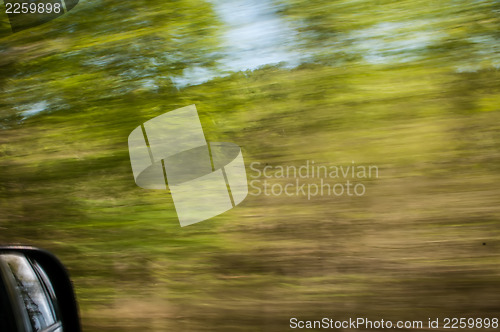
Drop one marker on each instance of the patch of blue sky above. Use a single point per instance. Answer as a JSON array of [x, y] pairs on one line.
[[255, 36], [30, 110], [394, 42]]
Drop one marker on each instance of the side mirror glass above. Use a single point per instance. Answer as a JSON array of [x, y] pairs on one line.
[[36, 294]]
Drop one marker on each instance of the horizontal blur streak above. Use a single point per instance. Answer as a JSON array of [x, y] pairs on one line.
[[411, 87]]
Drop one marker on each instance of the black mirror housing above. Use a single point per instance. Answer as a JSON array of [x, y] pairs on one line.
[[57, 278]]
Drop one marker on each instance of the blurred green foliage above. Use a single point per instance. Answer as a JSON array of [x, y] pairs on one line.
[[410, 86]]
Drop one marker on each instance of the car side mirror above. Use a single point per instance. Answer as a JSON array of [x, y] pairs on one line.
[[36, 294]]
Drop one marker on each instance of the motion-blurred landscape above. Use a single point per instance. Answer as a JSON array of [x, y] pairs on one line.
[[412, 87]]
